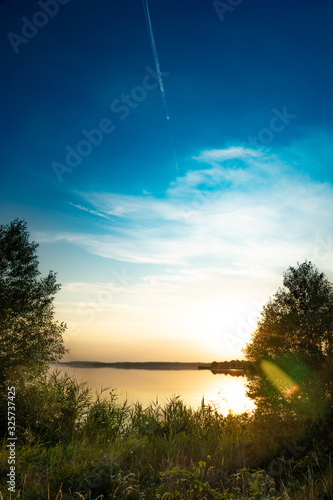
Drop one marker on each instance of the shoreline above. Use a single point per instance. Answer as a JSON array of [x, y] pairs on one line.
[[145, 365], [153, 365]]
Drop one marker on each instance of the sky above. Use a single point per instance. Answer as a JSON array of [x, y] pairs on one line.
[[169, 203]]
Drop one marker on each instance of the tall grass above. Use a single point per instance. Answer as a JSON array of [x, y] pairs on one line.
[[77, 446]]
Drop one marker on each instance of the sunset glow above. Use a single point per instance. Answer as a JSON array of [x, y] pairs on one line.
[[169, 178]]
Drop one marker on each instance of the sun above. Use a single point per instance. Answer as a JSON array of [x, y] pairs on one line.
[[214, 327]]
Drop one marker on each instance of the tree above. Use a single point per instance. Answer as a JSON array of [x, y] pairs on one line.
[[29, 335], [290, 353]]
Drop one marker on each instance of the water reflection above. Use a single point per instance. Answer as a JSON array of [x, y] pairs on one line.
[[229, 394], [224, 391]]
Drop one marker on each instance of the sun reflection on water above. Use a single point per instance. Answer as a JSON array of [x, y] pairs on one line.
[[224, 392], [229, 396]]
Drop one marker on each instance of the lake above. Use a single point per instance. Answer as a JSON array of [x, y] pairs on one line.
[[226, 392]]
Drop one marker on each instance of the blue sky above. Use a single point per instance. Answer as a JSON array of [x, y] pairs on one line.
[[160, 262]]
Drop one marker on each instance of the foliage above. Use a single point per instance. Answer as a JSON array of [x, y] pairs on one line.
[[298, 319], [233, 364], [294, 335], [79, 447], [105, 416], [51, 407], [29, 335]]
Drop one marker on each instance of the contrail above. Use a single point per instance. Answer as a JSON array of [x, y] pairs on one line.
[[159, 74], [155, 54]]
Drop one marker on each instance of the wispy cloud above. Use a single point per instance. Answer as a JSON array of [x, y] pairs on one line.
[[89, 210], [269, 217], [232, 153]]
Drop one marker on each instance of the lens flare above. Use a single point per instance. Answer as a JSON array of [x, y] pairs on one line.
[[283, 383]]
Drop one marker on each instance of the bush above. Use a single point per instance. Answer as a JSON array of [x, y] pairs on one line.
[[49, 407], [105, 417]]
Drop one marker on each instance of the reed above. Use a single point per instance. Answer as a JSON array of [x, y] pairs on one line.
[[81, 446]]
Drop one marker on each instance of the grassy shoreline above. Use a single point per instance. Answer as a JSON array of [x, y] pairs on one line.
[[73, 446]]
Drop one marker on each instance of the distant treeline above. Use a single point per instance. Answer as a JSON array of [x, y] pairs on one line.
[[159, 365], [234, 364], [146, 365]]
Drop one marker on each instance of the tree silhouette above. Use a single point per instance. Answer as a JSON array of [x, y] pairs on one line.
[[29, 335], [290, 354]]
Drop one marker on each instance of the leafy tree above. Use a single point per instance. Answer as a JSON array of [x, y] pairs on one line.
[[29, 335], [291, 351]]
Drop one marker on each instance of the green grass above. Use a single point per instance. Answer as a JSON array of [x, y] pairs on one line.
[[74, 446]]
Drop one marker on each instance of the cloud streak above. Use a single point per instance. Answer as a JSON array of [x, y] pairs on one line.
[[89, 210], [266, 217]]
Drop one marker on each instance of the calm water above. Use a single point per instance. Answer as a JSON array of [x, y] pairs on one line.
[[146, 386]]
